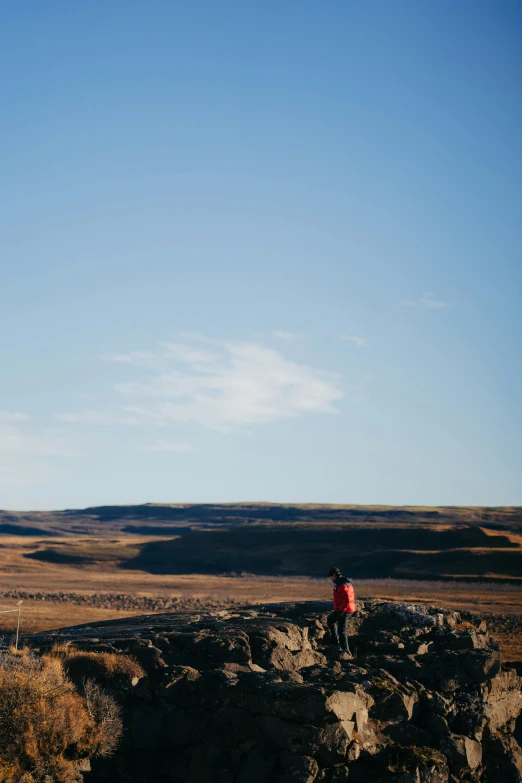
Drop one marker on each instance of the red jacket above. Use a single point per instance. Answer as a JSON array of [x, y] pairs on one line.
[[343, 596]]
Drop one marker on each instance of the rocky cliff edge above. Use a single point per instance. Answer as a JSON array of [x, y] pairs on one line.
[[257, 695]]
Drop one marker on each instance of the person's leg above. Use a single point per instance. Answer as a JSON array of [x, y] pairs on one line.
[[343, 632], [332, 627]]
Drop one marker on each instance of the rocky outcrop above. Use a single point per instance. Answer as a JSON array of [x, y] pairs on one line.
[[257, 695]]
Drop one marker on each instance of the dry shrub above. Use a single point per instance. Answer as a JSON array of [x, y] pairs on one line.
[[105, 667], [45, 724], [105, 713], [464, 626]]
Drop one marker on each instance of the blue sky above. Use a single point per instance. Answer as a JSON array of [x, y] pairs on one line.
[[260, 251]]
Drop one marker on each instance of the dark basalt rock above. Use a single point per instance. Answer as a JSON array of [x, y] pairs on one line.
[[256, 695]]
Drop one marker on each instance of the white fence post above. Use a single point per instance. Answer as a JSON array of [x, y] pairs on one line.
[[18, 609]]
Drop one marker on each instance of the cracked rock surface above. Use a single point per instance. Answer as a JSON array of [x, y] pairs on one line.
[[257, 695]]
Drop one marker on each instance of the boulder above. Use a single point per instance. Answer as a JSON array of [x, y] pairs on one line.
[[335, 739], [306, 703], [339, 774], [256, 695], [503, 758], [502, 696], [396, 616], [392, 699], [462, 752], [285, 646]]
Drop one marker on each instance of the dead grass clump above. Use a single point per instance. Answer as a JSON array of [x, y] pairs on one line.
[[46, 725], [464, 626], [105, 667]]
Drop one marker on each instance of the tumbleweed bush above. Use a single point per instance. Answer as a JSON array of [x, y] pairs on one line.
[[46, 725]]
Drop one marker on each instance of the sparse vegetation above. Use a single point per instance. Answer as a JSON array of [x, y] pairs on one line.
[[46, 725], [464, 626], [104, 667]]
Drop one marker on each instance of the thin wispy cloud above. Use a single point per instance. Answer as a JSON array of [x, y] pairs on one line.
[[165, 446], [427, 301], [360, 341], [135, 357], [281, 334], [247, 384], [37, 444], [234, 385], [31, 455], [13, 416], [89, 416], [188, 354]]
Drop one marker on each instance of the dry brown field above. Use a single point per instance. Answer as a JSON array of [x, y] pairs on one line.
[[60, 586]]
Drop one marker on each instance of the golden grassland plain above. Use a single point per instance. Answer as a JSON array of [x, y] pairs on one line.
[[93, 565]]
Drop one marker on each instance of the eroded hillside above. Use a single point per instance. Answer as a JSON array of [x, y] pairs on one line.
[[171, 519], [372, 541]]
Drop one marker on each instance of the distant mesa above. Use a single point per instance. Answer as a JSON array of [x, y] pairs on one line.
[[112, 519], [371, 541]]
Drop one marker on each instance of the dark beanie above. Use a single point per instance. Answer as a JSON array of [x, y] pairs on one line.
[[334, 572]]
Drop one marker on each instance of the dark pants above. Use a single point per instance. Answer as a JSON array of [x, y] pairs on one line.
[[337, 625]]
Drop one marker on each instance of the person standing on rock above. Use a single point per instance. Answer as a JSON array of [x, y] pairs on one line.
[[344, 606]]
